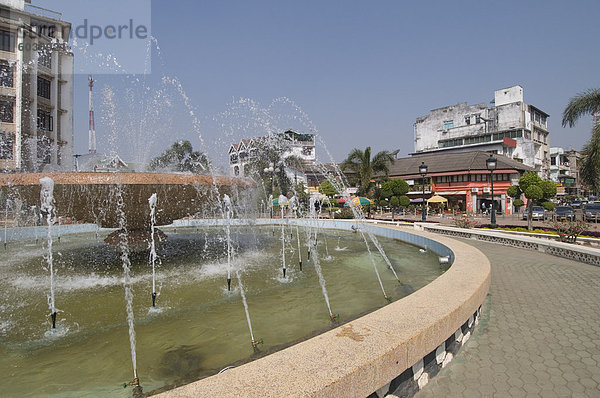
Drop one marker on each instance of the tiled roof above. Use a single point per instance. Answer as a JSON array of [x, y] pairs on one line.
[[449, 162]]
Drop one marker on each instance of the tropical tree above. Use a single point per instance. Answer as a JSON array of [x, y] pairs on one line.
[[363, 167], [535, 190], [180, 157], [394, 190], [270, 166], [327, 189], [586, 103]]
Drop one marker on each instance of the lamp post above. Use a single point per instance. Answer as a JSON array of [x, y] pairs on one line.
[[491, 163], [273, 169], [423, 171]]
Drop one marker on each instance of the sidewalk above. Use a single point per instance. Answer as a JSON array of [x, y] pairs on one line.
[[539, 335]]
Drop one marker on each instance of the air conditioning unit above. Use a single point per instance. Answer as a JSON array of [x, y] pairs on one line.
[[474, 190], [486, 190]]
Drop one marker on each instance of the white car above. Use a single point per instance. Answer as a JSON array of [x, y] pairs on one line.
[[538, 213]]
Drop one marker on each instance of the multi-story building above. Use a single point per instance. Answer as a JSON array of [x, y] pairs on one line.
[[509, 127], [288, 143], [564, 171], [36, 89]]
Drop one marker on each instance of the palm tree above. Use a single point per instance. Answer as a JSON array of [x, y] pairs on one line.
[[586, 103], [364, 168], [270, 165]]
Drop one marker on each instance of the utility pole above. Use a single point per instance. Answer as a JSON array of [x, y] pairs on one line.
[[92, 126]]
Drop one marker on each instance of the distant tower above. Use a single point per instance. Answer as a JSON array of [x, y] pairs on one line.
[[92, 131]]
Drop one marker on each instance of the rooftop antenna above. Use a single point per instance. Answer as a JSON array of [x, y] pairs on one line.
[[92, 127]]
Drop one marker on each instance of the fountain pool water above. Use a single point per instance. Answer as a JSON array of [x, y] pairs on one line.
[[198, 327]]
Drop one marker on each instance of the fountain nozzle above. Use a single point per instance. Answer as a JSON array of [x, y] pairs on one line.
[[300, 265], [284, 272], [334, 318], [135, 383], [388, 298], [53, 315], [154, 299], [228, 284], [255, 344]]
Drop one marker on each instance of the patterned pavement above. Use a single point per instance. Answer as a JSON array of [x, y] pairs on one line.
[[539, 334]]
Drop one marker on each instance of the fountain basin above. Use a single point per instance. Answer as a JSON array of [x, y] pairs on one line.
[[199, 329], [90, 197], [357, 359]]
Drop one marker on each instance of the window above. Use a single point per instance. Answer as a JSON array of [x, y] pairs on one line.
[[478, 119], [43, 88], [448, 124], [45, 121], [6, 111], [6, 146], [233, 158], [468, 120], [6, 75], [7, 41]]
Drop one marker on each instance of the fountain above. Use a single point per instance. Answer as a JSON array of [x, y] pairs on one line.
[[200, 328]]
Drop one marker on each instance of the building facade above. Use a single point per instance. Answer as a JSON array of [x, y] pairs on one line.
[[564, 171], [462, 178], [509, 127], [288, 144], [36, 89]]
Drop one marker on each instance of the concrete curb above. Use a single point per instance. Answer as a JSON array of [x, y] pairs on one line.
[[582, 254]]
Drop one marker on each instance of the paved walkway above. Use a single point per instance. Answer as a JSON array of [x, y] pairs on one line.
[[539, 334]]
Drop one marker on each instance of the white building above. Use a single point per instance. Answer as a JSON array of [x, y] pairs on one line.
[[288, 143], [509, 127], [564, 171], [36, 89]]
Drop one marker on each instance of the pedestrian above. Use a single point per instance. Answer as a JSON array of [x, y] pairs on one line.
[[483, 208]]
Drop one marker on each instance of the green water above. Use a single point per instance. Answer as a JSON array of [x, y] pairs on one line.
[[199, 328]]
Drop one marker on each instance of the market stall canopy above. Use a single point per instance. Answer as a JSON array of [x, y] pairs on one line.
[[437, 199], [358, 201]]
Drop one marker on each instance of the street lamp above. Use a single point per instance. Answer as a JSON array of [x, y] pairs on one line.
[[423, 171], [491, 164], [273, 169]]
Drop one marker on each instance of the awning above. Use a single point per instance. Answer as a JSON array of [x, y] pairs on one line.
[[451, 193]]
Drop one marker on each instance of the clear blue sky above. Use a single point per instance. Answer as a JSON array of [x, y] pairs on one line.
[[363, 71]]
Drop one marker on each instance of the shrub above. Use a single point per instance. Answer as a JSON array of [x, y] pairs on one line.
[[404, 201], [548, 205], [464, 221], [343, 214], [568, 231]]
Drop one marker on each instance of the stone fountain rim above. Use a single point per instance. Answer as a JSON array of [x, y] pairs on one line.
[[129, 178]]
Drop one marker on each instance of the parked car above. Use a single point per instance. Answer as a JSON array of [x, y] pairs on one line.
[[592, 211], [538, 213], [576, 204], [564, 213]]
